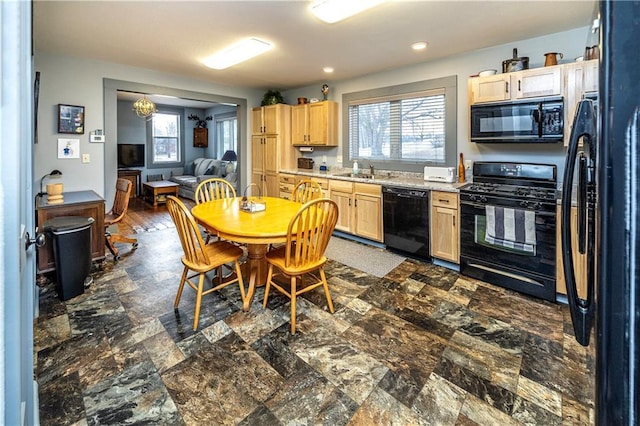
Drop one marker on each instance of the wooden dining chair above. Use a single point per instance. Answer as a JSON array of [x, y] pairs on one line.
[[213, 189], [200, 257], [308, 234], [115, 216], [306, 190]]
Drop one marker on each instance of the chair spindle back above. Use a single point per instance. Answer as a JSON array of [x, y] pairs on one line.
[[306, 190], [309, 232], [188, 231], [213, 189]]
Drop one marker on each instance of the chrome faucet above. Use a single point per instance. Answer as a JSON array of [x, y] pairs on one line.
[[371, 169]]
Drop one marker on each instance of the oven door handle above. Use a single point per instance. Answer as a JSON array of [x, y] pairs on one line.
[[483, 206]]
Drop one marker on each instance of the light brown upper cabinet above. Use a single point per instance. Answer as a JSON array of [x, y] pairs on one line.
[[537, 82], [315, 124], [580, 79], [271, 146], [269, 119]]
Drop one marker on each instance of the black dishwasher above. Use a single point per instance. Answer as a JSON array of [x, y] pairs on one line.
[[406, 221]]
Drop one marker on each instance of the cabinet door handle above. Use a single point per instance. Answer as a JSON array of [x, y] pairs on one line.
[[519, 86], [355, 202], [454, 221], [506, 84], [349, 202]]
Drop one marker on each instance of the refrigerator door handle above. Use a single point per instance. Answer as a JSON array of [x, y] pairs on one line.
[[582, 203], [582, 311]]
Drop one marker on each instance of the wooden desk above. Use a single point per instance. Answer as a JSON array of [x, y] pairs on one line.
[[225, 219], [151, 191], [80, 203], [134, 176]]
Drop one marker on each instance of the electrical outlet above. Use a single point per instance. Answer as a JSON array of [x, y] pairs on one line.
[[467, 164], [86, 158], [339, 159]]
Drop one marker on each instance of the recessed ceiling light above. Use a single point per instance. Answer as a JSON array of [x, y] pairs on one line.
[[419, 45], [332, 11], [236, 53], [327, 69]]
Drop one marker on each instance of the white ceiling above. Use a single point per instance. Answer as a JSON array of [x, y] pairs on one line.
[[174, 36]]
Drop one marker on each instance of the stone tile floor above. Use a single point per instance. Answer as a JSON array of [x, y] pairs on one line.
[[421, 346]]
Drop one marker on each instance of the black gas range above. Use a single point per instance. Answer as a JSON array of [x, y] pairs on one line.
[[508, 226]]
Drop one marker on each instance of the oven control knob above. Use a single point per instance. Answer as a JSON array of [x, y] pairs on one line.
[[534, 205]]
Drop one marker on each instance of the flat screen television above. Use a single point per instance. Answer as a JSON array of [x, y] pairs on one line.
[[130, 155]]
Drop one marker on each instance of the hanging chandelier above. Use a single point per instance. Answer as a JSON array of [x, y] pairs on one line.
[[144, 107]]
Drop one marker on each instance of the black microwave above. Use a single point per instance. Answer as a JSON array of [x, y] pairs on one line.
[[526, 121]]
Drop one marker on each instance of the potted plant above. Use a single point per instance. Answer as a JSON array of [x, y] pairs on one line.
[[272, 97]]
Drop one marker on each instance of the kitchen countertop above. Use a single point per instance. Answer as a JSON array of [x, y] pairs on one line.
[[383, 177]]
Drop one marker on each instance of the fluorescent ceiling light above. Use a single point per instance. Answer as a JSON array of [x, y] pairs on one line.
[[236, 53], [332, 11], [419, 45], [328, 70]]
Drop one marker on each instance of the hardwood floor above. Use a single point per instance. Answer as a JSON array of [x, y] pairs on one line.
[[143, 217]]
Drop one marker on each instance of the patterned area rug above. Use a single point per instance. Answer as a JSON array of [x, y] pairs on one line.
[[372, 260]]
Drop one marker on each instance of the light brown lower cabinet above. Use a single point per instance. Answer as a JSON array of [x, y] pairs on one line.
[[579, 260], [445, 226], [359, 207], [289, 181]]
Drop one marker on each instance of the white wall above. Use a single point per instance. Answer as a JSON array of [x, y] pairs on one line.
[[570, 43], [78, 81]]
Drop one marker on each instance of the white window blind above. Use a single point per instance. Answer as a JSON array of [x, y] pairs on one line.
[[405, 127]]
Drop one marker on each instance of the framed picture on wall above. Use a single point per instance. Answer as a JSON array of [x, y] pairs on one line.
[[71, 119]]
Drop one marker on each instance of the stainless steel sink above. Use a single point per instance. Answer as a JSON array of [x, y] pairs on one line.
[[362, 176]]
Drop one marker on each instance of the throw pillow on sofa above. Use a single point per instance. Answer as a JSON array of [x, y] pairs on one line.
[[212, 171], [189, 168]]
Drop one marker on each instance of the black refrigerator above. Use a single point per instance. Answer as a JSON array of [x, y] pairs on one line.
[[604, 173]]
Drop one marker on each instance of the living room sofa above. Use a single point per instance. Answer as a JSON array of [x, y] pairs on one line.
[[201, 169]]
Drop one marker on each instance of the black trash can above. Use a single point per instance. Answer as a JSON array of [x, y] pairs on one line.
[[71, 238]]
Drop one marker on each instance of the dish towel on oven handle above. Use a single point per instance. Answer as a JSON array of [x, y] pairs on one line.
[[511, 228]]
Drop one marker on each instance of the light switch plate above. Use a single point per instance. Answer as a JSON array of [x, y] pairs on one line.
[[86, 158]]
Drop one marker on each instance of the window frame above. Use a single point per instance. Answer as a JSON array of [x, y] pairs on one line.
[[220, 150], [448, 84], [181, 140]]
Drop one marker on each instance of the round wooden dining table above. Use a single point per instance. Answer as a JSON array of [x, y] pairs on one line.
[[225, 219]]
